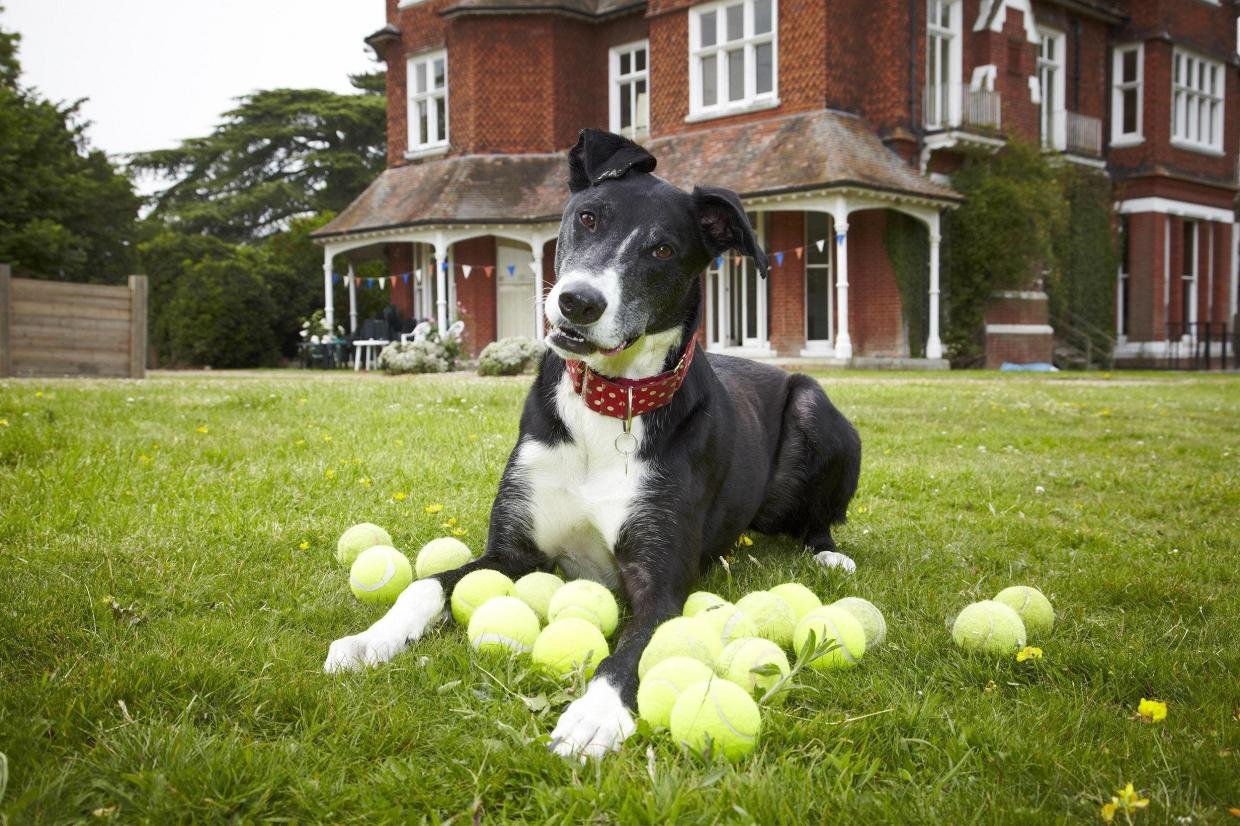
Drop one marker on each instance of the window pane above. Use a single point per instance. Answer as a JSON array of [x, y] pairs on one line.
[[1190, 238], [751, 300], [624, 63], [439, 74], [764, 53], [817, 228], [641, 118], [441, 109], [708, 31], [945, 15], [761, 16], [639, 60], [626, 106], [1128, 73], [423, 131], [736, 74], [735, 22], [710, 76], [419, 74], [1129, 114]]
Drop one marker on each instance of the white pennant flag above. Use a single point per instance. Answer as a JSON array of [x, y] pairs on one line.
[[417, 274], [819, 243], [534, 267], [465, 268]]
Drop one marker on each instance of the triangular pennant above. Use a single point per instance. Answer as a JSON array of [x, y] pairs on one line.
[[443, 266], [779, 259], [335, 278], [719, 262], [798, 251], [737, 259], [465, 270], [357, 282], [839, 238], [819, 243], [393, 282], [512, 269], [405, 278], [487, 270], [534, 267], [370, 282]]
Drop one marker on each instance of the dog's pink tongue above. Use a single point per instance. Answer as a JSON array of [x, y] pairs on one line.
[[615, 350]]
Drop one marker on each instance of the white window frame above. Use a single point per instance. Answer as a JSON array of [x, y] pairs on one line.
[[1053, 119], [430, 96], [626, 84], [1188, 101], [1190, 272], [1118, 86], [954, 81], [751, 100], [820, 345]]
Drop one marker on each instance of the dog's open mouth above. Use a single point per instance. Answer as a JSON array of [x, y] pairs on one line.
[[574, 341]]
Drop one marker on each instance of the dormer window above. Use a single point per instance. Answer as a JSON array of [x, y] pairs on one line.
[[427, 84], [733, 57]]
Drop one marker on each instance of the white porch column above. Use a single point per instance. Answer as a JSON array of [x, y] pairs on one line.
[[352, 301], [843, 344], [934, 347], [536, 247], [329, 311], [441, 282]]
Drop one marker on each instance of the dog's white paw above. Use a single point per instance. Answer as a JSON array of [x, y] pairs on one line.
[[835, 559], [417, 607], [594, 724]]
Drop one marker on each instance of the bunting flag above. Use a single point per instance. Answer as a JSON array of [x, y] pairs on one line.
[[534, 267], [839, 238], [370, 282], [405, 278], [417, 274], [719, 262], [357, 282], [779, 259], [336, 278], [393, 284], [443, 265], [487, 270], [512, 270], [737, 259], [798, 251], [819, 243], [465, 270]]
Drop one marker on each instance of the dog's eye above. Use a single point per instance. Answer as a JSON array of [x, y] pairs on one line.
[[588, 220], [664, 251]]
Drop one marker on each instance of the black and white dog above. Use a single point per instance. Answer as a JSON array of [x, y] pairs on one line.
[[637, 464]]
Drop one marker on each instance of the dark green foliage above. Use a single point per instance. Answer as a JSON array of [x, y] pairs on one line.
[[65, 212], [166, 258], [220, 313], [908, 246], [1001, 237], [280, 154], [1082, 285]]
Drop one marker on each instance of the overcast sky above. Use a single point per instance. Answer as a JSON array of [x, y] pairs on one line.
[[159, 71]]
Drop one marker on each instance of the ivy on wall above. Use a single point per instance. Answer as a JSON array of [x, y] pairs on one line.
[[1082, 284], [908, 248]]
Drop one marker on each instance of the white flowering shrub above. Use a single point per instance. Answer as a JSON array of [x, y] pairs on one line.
[[509, 356], [414, 357]]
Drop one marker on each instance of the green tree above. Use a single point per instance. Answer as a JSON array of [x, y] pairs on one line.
[[220, 313], [280, 154], [66, 212]]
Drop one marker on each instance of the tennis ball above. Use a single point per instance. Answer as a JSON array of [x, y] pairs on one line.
[[379, 574], [990, 627], [664, 683], [681, 637], [869, 616], [357, 539], [802, 599], [699, 601], [728, 621], [503, 624], [587, 600], [771, 615], [447, 553], [475, 588], [567, 643], [831, 623], [536, 589], [719, 716], [1034, 608], [741, 657]]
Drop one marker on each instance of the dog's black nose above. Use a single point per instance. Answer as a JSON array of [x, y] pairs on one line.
[[582, 304]]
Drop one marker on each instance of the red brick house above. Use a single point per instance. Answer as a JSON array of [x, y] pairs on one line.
[[829, 118]]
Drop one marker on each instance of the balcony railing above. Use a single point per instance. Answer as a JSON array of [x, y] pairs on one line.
[[953, 105], [1084, 134], [981, 108]]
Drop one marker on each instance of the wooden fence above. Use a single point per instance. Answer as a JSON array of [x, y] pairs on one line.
[[53, 328]]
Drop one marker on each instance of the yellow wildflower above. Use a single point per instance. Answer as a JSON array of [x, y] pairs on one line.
[[364, 481], [1125, 800], [1108, 812], [1029, 652], [327, 437], [399, 496], [299, 443], [450, 522], [305, 546], [1152, 711], [202, 428], [330, 473], [434, 508], [459, 531], [745, 540], [144, 459], [4, 422]]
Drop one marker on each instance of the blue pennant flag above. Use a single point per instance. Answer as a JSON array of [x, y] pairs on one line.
[[405, 277], [719, 262], [512, 269], [443, 265], [335, 278], [370, 282], [839, 237], [779, 259]]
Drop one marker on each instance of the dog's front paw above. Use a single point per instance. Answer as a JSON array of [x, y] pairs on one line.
[[835, 559], [593, 725], [360, 651]]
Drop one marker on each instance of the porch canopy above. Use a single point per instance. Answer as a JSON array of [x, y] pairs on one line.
[[822, 161]]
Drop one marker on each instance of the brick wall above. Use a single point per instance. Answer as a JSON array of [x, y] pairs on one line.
[[786, 285], [1146, 251], [875, 320], [400, 261], [476, 294]]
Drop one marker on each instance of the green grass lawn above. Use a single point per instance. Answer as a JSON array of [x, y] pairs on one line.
[[168, 591]]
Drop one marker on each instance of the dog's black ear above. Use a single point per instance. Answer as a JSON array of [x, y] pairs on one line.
[[600, 156], [725, 226]]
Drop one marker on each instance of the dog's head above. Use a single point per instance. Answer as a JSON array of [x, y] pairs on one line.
[[632, 247]]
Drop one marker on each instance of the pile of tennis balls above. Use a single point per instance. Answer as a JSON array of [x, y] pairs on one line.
[[378, 572], [703, 673], [999, 626]]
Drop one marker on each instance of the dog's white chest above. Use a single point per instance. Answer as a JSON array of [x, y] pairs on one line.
[[580, 492]]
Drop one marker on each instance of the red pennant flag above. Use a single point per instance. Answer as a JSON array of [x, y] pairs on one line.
[[737, 259], [798, 251], [393, 282], [357, 282], [487, 271]]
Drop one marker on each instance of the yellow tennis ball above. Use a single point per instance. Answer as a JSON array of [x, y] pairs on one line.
[[741, 657], [869, 616], [447, 553], [536, 590], [681, 637], [587, 600], [475, 588], [1034, 608], [357, 539], [989, 627], [729, 621], [771, 615], [503, 624], [699, 601], [802, 599], [379, 574], [664, 683], [718, 716], [567, 643], [833, 624]]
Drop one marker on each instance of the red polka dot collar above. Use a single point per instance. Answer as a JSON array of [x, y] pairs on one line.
[[625, 398]]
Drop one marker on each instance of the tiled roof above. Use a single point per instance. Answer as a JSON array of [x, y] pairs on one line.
[[815, 150], [579, 8]]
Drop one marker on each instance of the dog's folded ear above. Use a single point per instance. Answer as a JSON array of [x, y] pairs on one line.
[[725, 226], [600, 156]]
